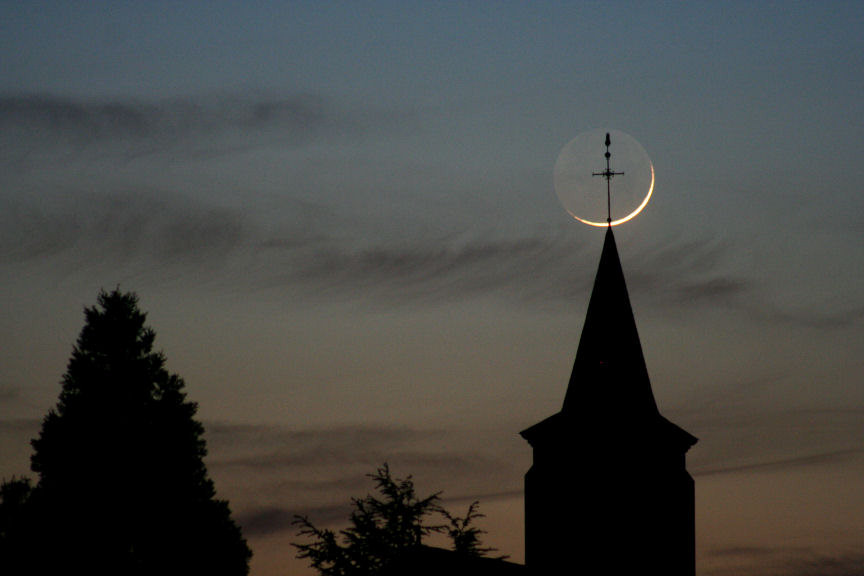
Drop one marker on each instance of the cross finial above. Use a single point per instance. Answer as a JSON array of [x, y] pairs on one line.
[[608, 174]]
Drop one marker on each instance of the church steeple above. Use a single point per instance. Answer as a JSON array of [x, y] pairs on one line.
[[608, 486], [609, 375]]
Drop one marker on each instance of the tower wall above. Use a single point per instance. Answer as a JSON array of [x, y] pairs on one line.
[[623, 514]]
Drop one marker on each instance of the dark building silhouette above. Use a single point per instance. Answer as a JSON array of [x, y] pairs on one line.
[[608, 486], [430, 561]]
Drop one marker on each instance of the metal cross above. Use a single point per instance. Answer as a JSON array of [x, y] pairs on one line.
[[608, 174]]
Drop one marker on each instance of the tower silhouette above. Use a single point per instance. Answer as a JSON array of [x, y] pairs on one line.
[[608, 486]]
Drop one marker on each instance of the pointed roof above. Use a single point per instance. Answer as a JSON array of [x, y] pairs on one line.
[[609, 388], [609, 371]]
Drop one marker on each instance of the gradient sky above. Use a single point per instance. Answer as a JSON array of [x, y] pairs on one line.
[[340, 218]]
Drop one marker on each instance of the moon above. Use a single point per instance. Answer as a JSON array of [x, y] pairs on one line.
[[629, 216], [583, 194]]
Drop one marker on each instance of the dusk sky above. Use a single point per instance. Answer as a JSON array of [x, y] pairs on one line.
[[340, 218]]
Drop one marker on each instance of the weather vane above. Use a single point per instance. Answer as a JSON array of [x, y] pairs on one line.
[[579, 191], [608, 174]]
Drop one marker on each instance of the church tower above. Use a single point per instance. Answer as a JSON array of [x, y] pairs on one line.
[[608, 487]]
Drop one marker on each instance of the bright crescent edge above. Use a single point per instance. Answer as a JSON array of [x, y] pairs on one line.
[[629, 216]]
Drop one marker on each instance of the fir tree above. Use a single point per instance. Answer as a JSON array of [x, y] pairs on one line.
[[122, 485]]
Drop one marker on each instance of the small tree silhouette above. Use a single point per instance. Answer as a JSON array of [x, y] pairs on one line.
[[462, 532], [122, 486], [382, 528]]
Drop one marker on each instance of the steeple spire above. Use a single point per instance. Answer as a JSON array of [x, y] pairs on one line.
[[609, 375]]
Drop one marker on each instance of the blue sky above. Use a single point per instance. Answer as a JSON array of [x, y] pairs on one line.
[[340, 217]]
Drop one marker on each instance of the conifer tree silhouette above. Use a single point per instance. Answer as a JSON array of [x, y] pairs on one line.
[[385, 526], [122, 486]]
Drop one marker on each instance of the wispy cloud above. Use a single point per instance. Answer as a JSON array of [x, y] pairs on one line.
[[274, 448], [684, 273], [741, 551], [119, 228], [539, 269], [144, 229], [433, 270], [265, 449], [823, 319], [39, 130], [742, 435], [785, 463], [785, 561], [269, 520], [712, 289], [851, 564], [76, 121], [315, 472]]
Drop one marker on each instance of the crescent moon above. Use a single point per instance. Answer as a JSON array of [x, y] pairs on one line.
[[629, 216]]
